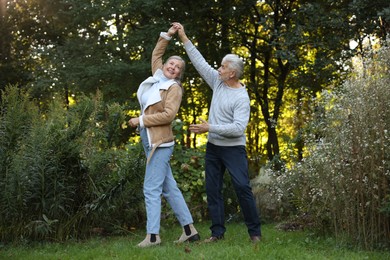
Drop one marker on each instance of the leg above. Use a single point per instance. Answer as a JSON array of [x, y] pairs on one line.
[[214, 183], [152, 192], [175, 198], [235, 159], [179, 206], [156, 171]]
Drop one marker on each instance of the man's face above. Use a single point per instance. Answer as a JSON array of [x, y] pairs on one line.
[[225, 73]]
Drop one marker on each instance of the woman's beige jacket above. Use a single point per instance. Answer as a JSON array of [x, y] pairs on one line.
[[161, 108]]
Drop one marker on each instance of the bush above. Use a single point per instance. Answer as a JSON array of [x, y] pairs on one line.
[[343, 183], [62, 174]]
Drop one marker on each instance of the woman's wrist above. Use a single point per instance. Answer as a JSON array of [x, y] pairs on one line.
[[166, 36]]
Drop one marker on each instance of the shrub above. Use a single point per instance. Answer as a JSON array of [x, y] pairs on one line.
[[62, 172], [343, 184]]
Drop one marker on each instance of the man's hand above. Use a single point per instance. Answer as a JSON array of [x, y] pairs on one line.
[[180, 29], [200, 128]]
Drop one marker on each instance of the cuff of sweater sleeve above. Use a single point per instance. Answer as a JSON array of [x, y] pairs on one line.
[[165, 36], [188, 44], [141, 121]]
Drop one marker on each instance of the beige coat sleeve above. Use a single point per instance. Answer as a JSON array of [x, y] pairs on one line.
[[158, 53]]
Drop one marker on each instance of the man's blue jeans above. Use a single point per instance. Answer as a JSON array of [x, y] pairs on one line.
[[234, 159]]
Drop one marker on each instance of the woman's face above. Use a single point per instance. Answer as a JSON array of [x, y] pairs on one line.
[[172, 68]]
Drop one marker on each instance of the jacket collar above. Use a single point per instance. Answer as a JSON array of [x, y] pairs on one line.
[[155, 97]]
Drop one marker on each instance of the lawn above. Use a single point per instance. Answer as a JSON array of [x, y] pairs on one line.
[[276, 244]]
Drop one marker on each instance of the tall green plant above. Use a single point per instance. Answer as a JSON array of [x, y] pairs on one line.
[[115, 170], [62, 173], [17, 114]]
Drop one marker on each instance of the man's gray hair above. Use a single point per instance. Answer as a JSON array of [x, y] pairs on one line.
[[235, 63]]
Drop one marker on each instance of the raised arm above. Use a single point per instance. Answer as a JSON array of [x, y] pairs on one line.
[[160, 48], [208, 73], [180, 31]]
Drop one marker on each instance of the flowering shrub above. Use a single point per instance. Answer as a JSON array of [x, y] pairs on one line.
[[343, 184]]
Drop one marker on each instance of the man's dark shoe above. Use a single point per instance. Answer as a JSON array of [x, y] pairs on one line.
[[213, 239], [255, 239]]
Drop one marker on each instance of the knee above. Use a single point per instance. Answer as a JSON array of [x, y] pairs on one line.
[[243, 189], [152, 192]]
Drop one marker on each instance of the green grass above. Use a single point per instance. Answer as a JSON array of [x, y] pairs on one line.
[[236, 245]]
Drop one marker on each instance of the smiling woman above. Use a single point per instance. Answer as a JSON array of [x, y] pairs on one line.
[[160, 97]]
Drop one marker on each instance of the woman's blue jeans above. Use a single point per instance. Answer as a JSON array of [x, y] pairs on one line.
[[234, 159], [160, 181]]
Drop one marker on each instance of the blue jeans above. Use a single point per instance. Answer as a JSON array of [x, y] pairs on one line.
[[234, 159], [160, 181]]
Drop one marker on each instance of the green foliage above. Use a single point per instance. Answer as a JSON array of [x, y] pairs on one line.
[[69, 48], [17, 114], [62, 49], [188, 170], [342, 184], [62, 173]]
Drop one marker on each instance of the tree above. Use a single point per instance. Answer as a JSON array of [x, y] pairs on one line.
[[14, 49], [294, 48]]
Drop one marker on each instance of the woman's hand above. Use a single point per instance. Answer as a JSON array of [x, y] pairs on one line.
[[172, 30], [134, 122]]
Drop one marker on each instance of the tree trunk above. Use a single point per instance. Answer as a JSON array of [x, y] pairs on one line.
[[299, 124], [66, 90]]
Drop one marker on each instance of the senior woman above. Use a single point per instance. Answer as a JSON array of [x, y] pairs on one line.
[[159, 97]]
